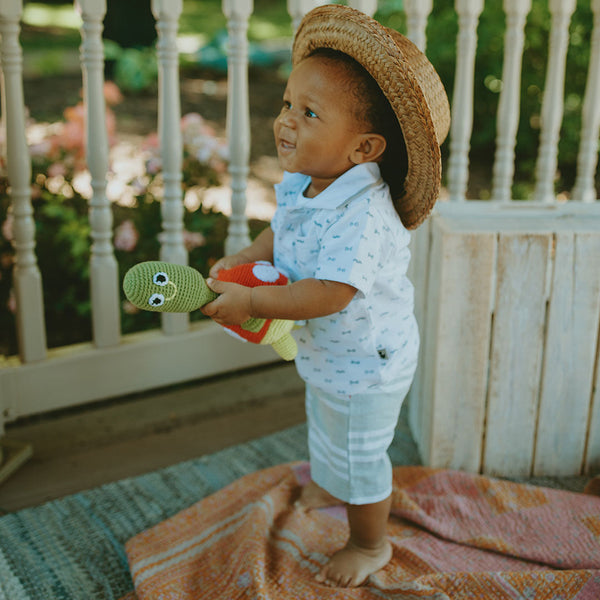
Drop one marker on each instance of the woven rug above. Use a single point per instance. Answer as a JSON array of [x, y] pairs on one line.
[[455, 536], [74, 548]]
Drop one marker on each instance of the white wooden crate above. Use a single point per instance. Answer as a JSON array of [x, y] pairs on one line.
[[508, 300]]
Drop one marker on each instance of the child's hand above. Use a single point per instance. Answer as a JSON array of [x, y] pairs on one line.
[[227, 262], [232, 307]]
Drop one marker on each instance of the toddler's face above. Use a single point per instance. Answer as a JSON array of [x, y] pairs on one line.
[[316, 130]]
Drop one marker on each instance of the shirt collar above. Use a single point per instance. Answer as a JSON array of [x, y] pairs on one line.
[[350, 184]]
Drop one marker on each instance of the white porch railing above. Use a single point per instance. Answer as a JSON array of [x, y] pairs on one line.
[[508, 294]]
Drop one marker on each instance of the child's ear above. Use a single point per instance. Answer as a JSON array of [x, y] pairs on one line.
[[369, 148]]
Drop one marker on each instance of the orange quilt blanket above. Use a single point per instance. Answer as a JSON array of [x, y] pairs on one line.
[[455, 536]]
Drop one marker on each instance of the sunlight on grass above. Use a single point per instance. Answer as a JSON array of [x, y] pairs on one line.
[[191, 43], [261, 29], [42, 15]]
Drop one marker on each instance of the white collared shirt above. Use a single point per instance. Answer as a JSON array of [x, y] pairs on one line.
[[350, 233]]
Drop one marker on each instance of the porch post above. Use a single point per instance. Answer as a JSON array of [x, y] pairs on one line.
[[462, 99], [417, 12], [238, 120], [553, 103], [508, 107], [587, 160], [27, 278], [167, 13], [104, 272]]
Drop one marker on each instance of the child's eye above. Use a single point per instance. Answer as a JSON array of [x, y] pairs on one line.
[[287, 105], [310, 114]]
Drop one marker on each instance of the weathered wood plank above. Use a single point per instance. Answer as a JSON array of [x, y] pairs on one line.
[[418, 275], [570, 355], [592, 463], [456, 347], [516, 355]]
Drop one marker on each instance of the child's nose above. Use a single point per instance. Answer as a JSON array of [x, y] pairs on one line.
[[286, 119]]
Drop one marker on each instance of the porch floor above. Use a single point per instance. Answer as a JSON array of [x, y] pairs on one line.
[[86, 447]]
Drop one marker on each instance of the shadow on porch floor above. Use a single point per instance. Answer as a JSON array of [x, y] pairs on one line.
[[91, 445]]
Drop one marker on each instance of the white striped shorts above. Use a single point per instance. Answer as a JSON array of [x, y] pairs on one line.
[[348, 438]]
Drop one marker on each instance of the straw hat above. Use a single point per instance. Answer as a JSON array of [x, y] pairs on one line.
[[409, 82]]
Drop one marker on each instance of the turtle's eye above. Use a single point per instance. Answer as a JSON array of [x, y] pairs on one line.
[[160, 278], [156, 300]]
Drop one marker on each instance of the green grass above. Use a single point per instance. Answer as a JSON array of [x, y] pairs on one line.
[[56, 26]]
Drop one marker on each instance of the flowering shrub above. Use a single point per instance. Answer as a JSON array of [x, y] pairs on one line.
[[61, 190]]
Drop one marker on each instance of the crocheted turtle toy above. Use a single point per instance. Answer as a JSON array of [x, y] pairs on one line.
[[164, 287]]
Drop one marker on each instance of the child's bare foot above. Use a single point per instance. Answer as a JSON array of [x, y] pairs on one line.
[[314, 496], [353, 564]]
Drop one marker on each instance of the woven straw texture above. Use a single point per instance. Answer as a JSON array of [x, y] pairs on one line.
[[410, 84], [455, 536]]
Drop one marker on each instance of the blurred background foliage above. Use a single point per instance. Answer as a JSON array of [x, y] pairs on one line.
[[129, 31], [51, 33]]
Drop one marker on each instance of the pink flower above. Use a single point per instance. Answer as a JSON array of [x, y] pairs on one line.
[[7, 228], [6, 260], [194, 120], [126, 236], [11, 304], [42, 148], [153, 165], [151, 142], [56, 169], [129, 308], [36, 191], [112, 93], [111, 127], [193, 239]]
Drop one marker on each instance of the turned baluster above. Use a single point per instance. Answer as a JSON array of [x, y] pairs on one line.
[[462, 100], [104, 272], [553, 102], [238, 120], [27, 279], [173, 250], [417, 12], [508, 107], [587, 160]]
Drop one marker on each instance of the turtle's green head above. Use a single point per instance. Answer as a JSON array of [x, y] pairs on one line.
[[165, 287]]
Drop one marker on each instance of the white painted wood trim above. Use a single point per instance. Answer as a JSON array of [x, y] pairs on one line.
[[167, 13], [460, 295], [516, 353], [417, 12], [82, 373], [367, 6], [587, 159], [418, 273], [104, 271], [27, 279], [553, 102], [592, 457], [569, 354], [298, 8], [509, 104], [238, 120], [462, 98]]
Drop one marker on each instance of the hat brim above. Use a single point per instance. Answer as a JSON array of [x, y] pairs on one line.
[[409, 82]]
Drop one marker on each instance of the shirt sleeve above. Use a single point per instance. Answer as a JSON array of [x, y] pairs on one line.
[[351, 247]]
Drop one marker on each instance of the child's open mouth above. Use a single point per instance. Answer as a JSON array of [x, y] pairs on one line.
[[286, 146]]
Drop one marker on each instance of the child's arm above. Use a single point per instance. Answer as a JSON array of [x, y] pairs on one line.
[[260, 249], [304, 299]]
